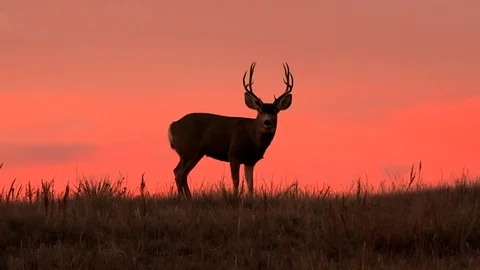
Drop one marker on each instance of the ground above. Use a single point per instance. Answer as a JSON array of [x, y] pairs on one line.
[[101, 226]]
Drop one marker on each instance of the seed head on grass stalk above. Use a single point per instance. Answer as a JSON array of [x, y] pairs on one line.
[[47, 194], [37, 195], [89, 187], [11, 191], [65, 198], [29, 193], [143, 186], [19, 190], [143, 195]]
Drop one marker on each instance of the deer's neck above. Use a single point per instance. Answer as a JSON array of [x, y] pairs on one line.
[[261, 138]]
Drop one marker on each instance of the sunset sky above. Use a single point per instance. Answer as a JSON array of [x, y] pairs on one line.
[[93, 85]]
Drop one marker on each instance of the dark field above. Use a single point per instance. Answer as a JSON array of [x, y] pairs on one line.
[[98, 225]]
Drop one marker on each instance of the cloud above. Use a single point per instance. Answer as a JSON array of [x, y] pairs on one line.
[[43, 154]]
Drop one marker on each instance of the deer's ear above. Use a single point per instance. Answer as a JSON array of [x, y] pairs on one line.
[[284, 103], [251, 102]]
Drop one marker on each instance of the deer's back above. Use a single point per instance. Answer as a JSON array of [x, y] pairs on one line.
[[208, 134]]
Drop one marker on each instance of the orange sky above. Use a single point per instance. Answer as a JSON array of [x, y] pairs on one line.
[[378, 86]]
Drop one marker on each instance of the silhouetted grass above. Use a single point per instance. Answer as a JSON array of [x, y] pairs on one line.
[[100, 225]]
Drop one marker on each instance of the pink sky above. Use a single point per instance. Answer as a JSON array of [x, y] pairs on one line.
[[94, 85]]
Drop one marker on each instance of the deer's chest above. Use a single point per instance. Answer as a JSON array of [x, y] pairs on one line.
[[250, 153]]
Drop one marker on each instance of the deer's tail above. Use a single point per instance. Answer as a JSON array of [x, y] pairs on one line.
[[170, 136]]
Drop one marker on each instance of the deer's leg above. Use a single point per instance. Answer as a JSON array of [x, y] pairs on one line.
[[188, 166], [249, 177], [177, 172], [235, 172]]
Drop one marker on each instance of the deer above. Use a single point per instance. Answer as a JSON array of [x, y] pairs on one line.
[[236, 140]]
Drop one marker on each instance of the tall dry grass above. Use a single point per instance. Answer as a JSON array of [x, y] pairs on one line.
[[98, 223]]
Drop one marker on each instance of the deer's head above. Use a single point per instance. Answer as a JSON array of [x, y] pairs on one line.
[[266, 120]]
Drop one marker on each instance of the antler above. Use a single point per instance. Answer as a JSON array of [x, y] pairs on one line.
[[248, 87], [287, 81]]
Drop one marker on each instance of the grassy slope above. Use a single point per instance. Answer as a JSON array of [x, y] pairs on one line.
[[97, 226]]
